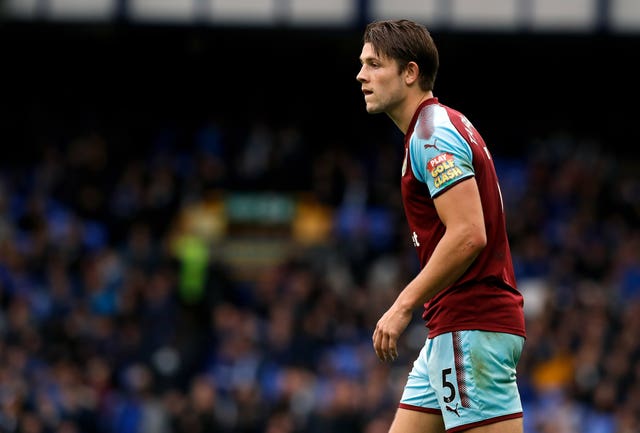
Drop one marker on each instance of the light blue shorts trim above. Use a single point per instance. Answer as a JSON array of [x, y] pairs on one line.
[[467, 376]]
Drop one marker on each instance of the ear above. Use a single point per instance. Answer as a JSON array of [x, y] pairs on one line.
[[411, 73]]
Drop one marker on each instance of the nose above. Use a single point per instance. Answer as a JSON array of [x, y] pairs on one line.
[[361, 76]]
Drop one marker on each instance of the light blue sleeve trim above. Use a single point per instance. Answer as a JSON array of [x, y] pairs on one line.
[[440, 160]]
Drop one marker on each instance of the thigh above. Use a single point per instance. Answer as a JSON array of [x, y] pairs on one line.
[[474, 376], [509, 426], [413, 421]]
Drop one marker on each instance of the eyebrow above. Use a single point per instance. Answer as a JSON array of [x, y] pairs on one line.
[[369, 58]]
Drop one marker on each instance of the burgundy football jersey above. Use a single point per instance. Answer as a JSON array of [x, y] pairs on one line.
[[443, 148]]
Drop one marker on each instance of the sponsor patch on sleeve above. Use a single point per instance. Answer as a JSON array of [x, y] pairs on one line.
[[443, 169]]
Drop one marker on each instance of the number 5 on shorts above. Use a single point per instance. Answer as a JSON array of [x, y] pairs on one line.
[[447, 384]]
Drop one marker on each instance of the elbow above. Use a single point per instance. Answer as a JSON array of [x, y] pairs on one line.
[[476, 242], [481, 243]]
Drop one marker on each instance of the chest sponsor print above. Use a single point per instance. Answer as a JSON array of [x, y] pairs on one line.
[[443, 169]]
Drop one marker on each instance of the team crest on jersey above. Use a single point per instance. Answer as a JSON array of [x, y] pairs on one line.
[[443, 169]]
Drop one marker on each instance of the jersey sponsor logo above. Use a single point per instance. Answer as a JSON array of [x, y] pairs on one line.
[[443, 169], [452, 409], [432, 146]]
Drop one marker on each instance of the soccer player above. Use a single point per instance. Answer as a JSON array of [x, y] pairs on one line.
[[464, 379]]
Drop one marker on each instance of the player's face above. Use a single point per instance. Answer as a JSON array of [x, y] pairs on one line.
[[382, 84]]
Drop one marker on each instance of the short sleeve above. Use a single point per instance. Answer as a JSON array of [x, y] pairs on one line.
[[441, 160]]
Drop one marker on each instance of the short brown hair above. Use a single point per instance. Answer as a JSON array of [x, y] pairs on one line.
[[405, 41]]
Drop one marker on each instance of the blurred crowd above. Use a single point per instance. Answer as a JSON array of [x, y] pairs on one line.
[[102, 331]]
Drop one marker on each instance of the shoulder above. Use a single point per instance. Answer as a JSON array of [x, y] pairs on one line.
[[437, 130]]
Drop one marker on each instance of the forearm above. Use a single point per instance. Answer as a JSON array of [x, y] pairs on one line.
[[449, 261]]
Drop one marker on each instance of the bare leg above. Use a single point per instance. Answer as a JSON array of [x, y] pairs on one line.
[[507, 426], [411, 421]]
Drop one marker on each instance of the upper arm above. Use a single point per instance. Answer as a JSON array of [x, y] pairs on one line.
[[460, 210], [443, 160]]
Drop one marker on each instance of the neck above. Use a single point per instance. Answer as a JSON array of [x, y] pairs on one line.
[[409, 109]]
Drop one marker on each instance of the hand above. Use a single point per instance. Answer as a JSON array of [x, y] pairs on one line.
[[388, 329]]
